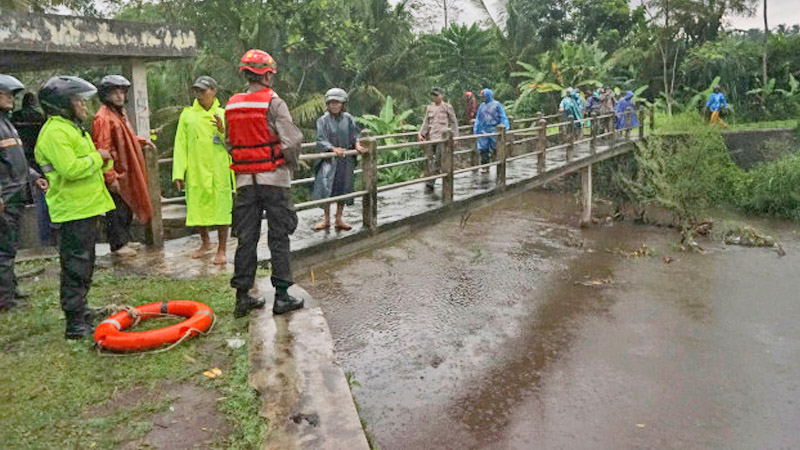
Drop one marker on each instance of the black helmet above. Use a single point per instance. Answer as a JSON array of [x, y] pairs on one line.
[[110, 82], [56, 94], [10, 84]]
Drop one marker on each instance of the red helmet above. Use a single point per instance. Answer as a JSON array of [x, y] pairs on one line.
[[257, 61]]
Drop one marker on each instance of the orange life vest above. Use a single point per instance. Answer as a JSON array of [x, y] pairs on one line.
[[255, 148]]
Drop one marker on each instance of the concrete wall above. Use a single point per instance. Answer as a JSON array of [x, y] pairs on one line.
[[35, 41], [750, 147]]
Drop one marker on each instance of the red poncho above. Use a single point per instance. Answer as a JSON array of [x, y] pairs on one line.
[[112, 131]]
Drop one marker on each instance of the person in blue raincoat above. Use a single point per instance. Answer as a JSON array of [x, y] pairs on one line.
[[337, 132], [620, 109], [572, 108], [490, 115], [717, 104]]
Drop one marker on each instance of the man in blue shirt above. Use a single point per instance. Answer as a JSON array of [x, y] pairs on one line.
[[717, 103]]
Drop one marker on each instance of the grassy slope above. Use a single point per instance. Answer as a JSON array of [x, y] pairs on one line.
[[47, 383]]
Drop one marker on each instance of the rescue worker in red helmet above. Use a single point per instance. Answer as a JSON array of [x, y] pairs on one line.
[[264, 144]]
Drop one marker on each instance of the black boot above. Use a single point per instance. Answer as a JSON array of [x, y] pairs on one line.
[[283, 301], [5, 305], [78, 326], [244, 303]]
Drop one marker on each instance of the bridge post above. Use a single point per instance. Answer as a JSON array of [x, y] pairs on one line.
[[474, 157], [628, 123], [447, 168], [593, 128], [510, 151], [502, 155], [571, 147], [541, 162], [369, 165], [139, 114], [614, 132], [641, 124], [586, 196]]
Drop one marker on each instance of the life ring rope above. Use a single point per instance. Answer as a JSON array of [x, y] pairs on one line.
[[185, 336], [136, 316]]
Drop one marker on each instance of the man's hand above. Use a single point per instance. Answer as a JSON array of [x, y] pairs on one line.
[[105, 154], [148, 145], [217, 122], [179, 184], [339, 151], [114, 186], [360, 148], [42, 184], [420, 137], [2, 206]]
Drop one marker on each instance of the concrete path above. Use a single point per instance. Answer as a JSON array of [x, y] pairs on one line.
[[303, 390]]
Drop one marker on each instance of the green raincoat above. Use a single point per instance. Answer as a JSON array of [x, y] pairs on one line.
[[74, 170], [202, 162]]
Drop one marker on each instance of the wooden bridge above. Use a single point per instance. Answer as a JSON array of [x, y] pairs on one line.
[[533, 152]]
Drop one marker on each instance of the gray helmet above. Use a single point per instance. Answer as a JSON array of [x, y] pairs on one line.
[[336, 94], [56, 95], [10, 84], [109, 82]]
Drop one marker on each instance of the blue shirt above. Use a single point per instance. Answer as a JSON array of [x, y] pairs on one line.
[[716, 101]]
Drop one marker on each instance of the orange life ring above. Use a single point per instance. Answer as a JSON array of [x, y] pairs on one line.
[[111, 334]]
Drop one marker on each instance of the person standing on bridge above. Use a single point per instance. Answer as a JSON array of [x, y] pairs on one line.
[[472, 108], [127, 180], [201, 165], [717, 104], [490, 115], [607, 104], [439, 117], [77, 196], [15, 174], [265, 144], [337, 132], [622, 112], [571, 107]]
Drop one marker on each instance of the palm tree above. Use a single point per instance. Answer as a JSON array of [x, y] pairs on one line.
[[462, 57]]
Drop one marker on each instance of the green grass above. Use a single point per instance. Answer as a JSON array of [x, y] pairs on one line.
[[763, 125], [50, 388]]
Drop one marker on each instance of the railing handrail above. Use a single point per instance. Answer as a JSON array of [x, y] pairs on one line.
[[524, 137]]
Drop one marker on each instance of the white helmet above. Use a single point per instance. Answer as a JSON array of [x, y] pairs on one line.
[[336, 94]]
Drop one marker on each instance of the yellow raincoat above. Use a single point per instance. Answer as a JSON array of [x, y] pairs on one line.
[[202, 162]]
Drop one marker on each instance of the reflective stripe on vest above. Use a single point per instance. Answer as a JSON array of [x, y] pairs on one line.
[[255, 105]]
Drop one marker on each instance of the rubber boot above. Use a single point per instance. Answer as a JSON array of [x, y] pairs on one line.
[[245, 302], [78, 326], [284, 302]]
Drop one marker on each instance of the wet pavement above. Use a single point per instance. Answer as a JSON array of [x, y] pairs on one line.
[[512, 328]]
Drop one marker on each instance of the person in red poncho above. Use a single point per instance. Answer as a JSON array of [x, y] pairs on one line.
[[127, 180], [472, 108]]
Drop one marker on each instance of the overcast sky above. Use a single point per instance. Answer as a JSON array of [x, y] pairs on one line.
[[778, 12]]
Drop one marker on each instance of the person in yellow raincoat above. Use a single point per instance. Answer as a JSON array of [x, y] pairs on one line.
[[201, 165]]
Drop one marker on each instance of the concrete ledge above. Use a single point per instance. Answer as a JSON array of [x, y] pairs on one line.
[[303, 390]]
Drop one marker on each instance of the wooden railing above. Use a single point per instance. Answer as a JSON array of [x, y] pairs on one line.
[[533, 139]]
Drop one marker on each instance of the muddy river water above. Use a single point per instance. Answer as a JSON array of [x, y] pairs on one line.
[[512, 328]]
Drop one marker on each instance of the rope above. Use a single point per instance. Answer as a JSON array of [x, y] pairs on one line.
[[137, 316]]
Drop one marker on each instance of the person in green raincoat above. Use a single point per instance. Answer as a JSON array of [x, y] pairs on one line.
[[201, 165]]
